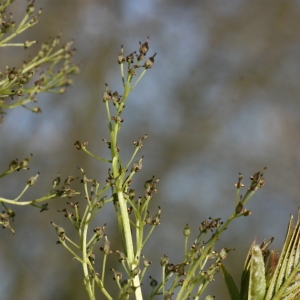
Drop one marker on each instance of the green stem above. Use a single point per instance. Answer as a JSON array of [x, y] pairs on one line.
[[85, 260], [31, 202], [129, 242], [247, 196], [140, 77], [102, 289], [139, 237], [163, 278], [190, 274], [185, 245], [148, 235], [103, 268]]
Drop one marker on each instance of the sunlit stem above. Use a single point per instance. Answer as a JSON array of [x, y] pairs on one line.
[[94, 156], [122, 73], [185, 244], [132, 157], [140, 77], [22, 193], [103, 267]]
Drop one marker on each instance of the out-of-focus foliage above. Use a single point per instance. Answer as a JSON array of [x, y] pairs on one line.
[[47, 71]]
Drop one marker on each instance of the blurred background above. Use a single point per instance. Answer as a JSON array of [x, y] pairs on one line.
[[222, 98]]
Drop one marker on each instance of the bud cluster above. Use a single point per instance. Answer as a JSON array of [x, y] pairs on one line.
[[15, 165], [5, 217], [135, 60], [257, 181], [192, 271], [131, 211], [47, 71], [65, 190], [142, 202], [210, 224]]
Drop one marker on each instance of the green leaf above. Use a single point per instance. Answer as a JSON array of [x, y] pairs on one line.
[[257, 282], [271, 264], [230, 284], [285, 282], [247, 267]]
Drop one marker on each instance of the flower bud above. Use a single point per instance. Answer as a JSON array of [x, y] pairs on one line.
[[59, 231], [36, 109], [92, 258], [130, 57], [149, 62], [156, 218], [246, 212], [27, 44], [132, 71], [4, 218], [56, 181], [5, 26], [121, 255], [117, 275], [115, 98], [141, 57], [24, 79], [121, 57], [239, 184], [136, 271], [117, 119], [146, 262], [239, 208], [257, 180], [99, 232], [106, 246], [25, 162], [149, 183], [30, 9], [14, 164], [170, 268], [12, 74], [19, 93], [186, 230], [224, 252], [164, 260], [69, 179], [80, 145], [153, 282], [73, 204], [11, 213], [139, 143], [148, 219], [106, 95], [137, 166], [131, 194], [32, 180], [168, 296], [144, 47], [124, 283], [101, 202]]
